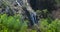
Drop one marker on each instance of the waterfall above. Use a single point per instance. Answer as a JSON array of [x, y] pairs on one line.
[[29, 11], [33, 18]]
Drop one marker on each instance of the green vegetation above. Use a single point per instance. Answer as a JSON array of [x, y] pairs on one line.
[[52, 27], [15, 24], [12, 24]]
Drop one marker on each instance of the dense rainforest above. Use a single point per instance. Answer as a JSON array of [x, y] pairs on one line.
[[29, 15]]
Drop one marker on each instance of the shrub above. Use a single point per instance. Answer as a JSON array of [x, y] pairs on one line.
[[54, 26], [15, 24], [12, 23]]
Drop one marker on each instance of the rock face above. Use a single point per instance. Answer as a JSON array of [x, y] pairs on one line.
[[56, 14], [50, 5], [9, 7], [40, 4], [43, 4]]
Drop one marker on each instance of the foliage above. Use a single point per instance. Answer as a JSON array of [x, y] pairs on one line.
[[12, 23], [52, 27], [15, 24]]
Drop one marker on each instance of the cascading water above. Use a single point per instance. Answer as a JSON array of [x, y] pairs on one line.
[[31, 16], [29, 11]]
